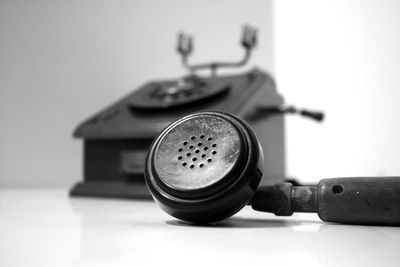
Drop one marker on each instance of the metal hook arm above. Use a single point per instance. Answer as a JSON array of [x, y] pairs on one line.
[[185, 48]]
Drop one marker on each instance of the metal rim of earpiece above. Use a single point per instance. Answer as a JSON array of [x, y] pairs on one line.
[[226, 198]]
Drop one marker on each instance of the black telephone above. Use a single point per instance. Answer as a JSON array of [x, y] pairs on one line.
[[117, 139]]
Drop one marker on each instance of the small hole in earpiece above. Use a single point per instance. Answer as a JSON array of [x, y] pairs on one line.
[[194, 159], [214, 152], [184, 164], [203, 156], [209, 138], [180, 150], [193, 138], [199, 144], [180, 157], [338, 189], [209, 160], [201, 136], [191, 147], [188, 154], [205, 148], [185, 143], [214, 145], [197, 151], [201, 165], [192, 166]]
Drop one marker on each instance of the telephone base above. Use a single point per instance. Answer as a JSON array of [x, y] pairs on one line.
[[116, 139]]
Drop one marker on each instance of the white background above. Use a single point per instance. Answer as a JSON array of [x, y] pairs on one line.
[[61, 61], [342, 57]]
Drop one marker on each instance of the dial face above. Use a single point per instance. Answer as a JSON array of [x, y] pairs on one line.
[[176, 93]]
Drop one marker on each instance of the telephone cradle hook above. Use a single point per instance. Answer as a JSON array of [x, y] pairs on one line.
[[185, 47]]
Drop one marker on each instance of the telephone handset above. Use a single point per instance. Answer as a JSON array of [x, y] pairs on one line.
[[206, 166]]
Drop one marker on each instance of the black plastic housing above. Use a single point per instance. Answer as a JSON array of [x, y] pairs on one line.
[[217, 201]]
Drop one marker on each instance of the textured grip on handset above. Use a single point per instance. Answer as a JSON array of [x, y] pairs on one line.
[[361, 200]]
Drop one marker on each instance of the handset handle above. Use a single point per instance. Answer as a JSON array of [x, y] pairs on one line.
[[361, 200], [355, 200]]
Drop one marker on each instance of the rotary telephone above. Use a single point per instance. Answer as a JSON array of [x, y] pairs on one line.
[[117, 138]]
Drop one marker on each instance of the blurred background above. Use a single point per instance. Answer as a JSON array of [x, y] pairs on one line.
[[62, 61]]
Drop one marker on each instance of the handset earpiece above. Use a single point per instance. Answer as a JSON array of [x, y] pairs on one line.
[[204, 167]]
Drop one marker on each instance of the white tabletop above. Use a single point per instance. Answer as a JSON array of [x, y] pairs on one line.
[[48, 228]]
